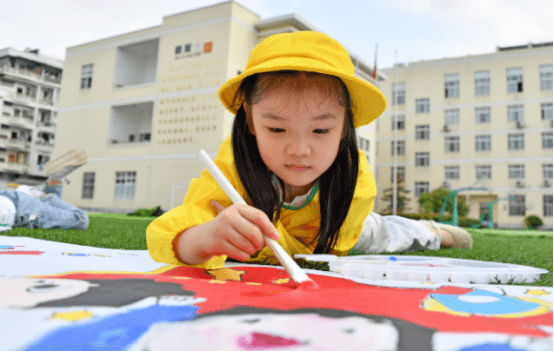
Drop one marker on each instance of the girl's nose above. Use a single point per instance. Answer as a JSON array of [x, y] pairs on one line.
[[298, 148]]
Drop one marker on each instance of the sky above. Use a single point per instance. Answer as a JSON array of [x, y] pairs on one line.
[[413, 29]]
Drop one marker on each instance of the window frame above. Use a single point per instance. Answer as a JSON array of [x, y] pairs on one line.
[[87, 189], [547, 205], [515, 113], [126, 188], [482, 111], [516, 172], [452, 85], [483, 143], [516, 141], [400, 147], [483, 172], [514, 80], [452, 117], [422, 159], [516, 205], [423, 105], [546, 111], [545, 77], [452, 144], [452, 172], [87, 72], [422, 132], [547, 171], [482, 81], [399, 121], [546, 138], [421, 187], [399, 93]]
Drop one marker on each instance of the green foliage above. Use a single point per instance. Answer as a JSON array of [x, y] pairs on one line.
[[432, 202], [532, 222], [401, 198], [147, 212]]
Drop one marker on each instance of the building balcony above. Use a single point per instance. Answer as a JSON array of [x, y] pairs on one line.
[[14, 167], [20, 121], [18, 144], [47, 126], [23, 74], [48, 102], [44, 145], [21, 98]]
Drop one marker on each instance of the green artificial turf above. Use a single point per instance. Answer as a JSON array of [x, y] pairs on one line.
[[532, 248]]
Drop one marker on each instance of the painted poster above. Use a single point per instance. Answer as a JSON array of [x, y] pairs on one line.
[[59, 296]]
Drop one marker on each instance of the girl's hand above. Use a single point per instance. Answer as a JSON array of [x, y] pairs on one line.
[[237, 231]]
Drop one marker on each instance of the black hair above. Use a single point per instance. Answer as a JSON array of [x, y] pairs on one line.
[[336, 184]]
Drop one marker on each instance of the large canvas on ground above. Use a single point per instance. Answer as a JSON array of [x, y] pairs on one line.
[[59, 296]]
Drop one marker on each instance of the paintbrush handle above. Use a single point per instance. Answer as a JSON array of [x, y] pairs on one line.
[[297, 274]]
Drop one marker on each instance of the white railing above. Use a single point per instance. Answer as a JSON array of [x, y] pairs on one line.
[[19, 168]]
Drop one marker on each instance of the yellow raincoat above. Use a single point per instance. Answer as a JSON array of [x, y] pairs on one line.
[[297, 226]]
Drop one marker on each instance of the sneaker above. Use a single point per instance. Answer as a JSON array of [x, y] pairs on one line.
[[460, 237], [63, 165]]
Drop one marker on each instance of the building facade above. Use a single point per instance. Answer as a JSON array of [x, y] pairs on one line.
[[29, 93], [482, 122], [144, 103]]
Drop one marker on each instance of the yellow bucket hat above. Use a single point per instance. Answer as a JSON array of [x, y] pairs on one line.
[[312, 52]]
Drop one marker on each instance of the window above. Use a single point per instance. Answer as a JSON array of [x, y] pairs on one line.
[[364, 144], [547, 171], [452, 117], [398, 93], [483, 143], [451, 144], [88, 186], [483, 115], [401, 147], [515, 113], [514, 78], [125, 184], [547, 205], [399, 121], [400, 171], [451, 172], [546, 77], [516, 172], [86, 76], [546, 111], [422, 105], [421, 187], [516, 141], [482, 83], [483, 172], [421, 132], [452, 86], [547, 140], [422, 159], [517, 205]]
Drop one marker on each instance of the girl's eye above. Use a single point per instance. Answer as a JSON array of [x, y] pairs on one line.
[[321, 130], [276, 130]]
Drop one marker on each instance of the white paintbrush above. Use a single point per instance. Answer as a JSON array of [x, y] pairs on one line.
[[296, 273]]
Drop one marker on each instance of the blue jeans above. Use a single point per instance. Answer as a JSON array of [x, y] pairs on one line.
[[49, 212]]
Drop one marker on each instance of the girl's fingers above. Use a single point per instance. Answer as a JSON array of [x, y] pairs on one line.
[[217, 206], [231, 251], [249, 232], [259, 218]]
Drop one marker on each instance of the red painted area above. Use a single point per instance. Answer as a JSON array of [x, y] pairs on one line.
[[334, 293], [257, 341], [23, 253]]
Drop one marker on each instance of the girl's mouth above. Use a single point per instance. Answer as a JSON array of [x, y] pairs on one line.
[[297, 167]]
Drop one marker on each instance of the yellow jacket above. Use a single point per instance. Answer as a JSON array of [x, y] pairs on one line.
[[297, 226]]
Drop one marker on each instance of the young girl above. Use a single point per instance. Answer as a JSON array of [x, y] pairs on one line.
[[292, 156]]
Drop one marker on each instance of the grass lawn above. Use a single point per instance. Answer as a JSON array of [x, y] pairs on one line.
[[532, 248]]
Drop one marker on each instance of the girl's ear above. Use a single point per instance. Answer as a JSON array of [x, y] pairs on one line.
[[248, 113]]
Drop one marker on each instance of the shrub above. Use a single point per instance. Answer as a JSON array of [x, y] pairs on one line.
[[532, 222], [156, 211]]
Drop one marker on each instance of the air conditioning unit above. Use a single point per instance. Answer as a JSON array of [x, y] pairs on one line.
[[547, 182], [520, 184], [445, 184], [519, 124], [446, 128]]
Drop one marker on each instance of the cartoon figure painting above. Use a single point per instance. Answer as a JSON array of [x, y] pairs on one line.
[[256, 308]]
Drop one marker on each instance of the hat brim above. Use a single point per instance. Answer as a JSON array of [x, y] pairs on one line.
[[368, 101]]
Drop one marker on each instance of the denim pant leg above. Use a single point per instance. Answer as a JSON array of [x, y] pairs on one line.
[[48, 212], [57, 190], [55, 213]]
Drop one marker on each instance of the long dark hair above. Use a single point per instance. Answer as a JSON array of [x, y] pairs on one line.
[[336, 184]]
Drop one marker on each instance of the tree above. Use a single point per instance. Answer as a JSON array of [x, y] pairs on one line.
[[401, 196], [432, 202]]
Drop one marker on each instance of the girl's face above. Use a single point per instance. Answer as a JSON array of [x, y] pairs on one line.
[[298, 132]]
